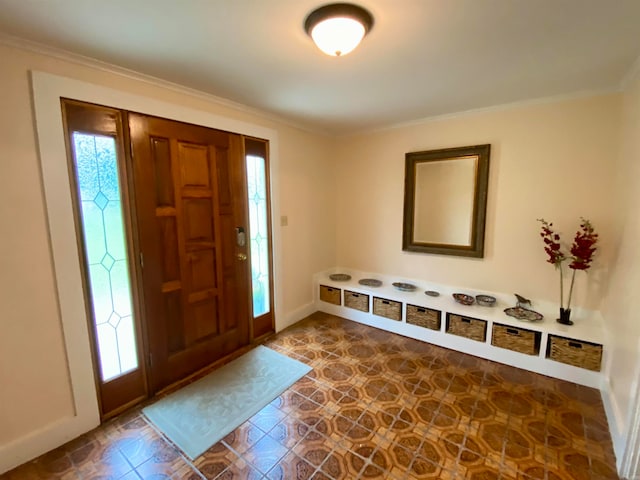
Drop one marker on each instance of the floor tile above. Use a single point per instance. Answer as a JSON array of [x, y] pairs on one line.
[[265, 454], [375, 405], [243, 437], [291, 467]]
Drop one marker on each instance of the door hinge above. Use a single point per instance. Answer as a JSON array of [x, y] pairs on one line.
[[150, 360], [141, 260]]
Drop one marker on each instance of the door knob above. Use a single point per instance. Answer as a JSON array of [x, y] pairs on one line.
[[241, 256]]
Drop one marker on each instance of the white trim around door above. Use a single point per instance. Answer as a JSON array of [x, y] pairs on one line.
[[47, 89]]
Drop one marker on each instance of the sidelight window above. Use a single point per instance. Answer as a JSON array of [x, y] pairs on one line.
[[258, 226], [100, 202]]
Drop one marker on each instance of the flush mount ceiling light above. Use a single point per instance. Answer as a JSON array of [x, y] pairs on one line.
[[338, 28]]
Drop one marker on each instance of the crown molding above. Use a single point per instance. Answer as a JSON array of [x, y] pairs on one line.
[[485, 110], [65, 55]]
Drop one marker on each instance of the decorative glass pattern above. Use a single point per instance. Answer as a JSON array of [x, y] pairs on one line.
[[257, 189], [106, 252]]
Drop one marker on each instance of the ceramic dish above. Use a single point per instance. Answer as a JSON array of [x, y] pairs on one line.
[[486, 300], [432, 293], [404, 287], [340, 277], [523, 314], [370, 282], [463, 299]]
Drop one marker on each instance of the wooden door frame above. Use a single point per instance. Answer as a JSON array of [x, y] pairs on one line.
[[127, 193], [93, 119], [47, 89], [269, 317]]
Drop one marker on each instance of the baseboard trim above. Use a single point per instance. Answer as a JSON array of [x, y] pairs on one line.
[[295, 316], [630, 461], [41, 441], [616, 423]]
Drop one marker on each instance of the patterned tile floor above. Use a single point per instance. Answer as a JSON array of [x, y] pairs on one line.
[[376, 405]]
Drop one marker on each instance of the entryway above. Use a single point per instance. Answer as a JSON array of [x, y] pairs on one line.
[[169, 254]]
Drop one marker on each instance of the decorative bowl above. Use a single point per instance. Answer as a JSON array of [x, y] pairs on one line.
[[432, 293], [340, 277], [404, 287], [370, 282], [486, 300], [463, 299], [523, 314]]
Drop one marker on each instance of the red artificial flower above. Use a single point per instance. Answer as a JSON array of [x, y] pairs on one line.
[[582, 252], [552, 243], [583, 246]]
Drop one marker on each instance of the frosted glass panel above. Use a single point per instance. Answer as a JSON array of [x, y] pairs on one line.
[[106, 253], [257, 189]]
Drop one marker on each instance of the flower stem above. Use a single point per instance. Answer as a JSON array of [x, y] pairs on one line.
[[561, 287], [573, 278]]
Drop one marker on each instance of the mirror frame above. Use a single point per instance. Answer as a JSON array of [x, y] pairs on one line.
[[412, 159]]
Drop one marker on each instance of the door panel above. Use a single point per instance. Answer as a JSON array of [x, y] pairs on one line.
[[189, 184], [195, 168]]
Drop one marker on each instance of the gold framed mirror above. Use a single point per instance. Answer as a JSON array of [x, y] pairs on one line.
[[445, 201]]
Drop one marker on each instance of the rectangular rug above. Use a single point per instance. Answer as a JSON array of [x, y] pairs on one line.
[[200, 414]]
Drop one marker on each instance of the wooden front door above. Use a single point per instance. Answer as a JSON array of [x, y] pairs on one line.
[[191, 210]]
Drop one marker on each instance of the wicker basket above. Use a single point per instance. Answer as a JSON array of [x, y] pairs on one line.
[[423, 317], [471, 328], [359, 301], [330, 294], [387, 308], [575, 352], [516, 339]]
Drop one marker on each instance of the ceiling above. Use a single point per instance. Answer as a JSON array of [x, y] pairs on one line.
[[423, 58]]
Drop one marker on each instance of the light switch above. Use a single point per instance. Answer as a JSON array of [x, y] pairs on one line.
[[284, 221]]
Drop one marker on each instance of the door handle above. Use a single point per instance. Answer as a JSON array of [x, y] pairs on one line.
[[241, 256]]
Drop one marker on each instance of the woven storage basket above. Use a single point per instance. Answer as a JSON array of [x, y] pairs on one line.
[[330, 294], [467, 327], [423, 317], [575, 352], [387, 308], [516, 339], [359, 301]]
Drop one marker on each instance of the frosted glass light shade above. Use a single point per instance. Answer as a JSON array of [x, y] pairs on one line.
[[338, 36], [338, 28]]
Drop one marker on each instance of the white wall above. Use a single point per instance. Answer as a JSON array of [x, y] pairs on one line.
[[36, 397], [620, 310], [547, 160], [307, 199], [32, 356]]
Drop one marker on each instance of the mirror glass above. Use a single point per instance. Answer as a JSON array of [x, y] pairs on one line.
[[445, 201]]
